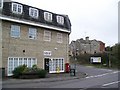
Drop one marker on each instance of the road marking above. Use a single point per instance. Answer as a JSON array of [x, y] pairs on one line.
[[90, 66], [110, 83], [102, 75], [106, 70]]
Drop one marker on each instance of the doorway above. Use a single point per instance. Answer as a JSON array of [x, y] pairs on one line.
[[46, 64]]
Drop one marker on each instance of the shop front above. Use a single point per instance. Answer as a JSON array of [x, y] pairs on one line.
[[54, 65]]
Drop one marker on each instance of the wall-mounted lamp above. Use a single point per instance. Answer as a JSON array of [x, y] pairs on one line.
[[55, 48]]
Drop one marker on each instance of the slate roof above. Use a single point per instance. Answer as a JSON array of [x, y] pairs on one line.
[[7, 11]]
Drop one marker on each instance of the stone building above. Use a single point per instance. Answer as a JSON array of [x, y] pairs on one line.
[[81, 46], [29, 35]]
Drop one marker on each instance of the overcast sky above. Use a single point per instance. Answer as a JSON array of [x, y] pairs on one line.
[[97, 19]]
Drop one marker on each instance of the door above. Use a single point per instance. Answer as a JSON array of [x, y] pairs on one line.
[[46, 64]]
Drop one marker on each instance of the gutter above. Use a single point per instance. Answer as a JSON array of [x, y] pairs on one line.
[[33, 24]]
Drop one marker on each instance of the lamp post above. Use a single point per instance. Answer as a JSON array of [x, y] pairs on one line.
[[76, 60], [109, 61]]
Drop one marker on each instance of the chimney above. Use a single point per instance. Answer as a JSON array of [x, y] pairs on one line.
[[86, 38]]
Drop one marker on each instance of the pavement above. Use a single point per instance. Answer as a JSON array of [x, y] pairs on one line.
[[49, 78]]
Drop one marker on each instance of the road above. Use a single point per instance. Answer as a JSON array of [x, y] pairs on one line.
[[97, 78]]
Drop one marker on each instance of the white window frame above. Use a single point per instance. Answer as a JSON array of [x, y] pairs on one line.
[[55, 63], [59, 38], [1, 3], [47, 35], [60, 20], [32, 33], [19, 61], [34, 13], [15, 29], [48, 16], [18, 7]]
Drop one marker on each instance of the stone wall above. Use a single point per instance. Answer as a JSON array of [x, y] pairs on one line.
[[13, 47]]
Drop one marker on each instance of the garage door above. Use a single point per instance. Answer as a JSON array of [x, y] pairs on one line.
[[14, 62]]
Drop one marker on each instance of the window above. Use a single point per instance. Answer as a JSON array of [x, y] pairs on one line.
[[33, 12], [17, 8], [59, 38], [1, 4], [47, 36], [60, 20], [32, 33], [48, 16], [55, 64], [15, 31], [14, 62]]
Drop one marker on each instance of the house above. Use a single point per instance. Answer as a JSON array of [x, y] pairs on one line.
[[29, 35], [81, 46]]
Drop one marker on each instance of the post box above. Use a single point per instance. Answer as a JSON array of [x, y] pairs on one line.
[[67, 67]]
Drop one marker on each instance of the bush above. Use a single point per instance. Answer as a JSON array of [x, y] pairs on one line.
[[24, 72], [18, 71], [42, 73]]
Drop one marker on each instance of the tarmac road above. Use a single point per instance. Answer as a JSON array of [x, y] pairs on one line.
[[97, 78]]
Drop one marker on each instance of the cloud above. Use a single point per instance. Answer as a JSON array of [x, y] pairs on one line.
[[98, 18]]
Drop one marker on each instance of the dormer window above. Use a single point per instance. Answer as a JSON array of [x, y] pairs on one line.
[[33, 12], [1, 4], [17, 8], [48, 16], [60, 20]]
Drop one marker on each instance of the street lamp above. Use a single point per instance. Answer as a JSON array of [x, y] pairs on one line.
[[76, 60], [109, 61]]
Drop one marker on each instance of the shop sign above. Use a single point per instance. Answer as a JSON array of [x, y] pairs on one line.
[[47, 53]]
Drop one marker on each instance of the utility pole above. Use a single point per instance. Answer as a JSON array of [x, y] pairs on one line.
[[109, 59]]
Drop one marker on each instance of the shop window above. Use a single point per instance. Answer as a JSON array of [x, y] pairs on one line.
[[56, 64], [14, 62]]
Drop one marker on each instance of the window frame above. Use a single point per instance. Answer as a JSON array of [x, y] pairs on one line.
[[33, 36], [47, 35], [17, 7], [60, 19], [33, 11], [48, 16], [59, 38], [17, 61], [14, 31], [55, 63], [1, 3]]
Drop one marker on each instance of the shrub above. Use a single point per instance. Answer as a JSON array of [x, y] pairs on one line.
[[24, 72], [18, 71], [42, 73], [34, 68]]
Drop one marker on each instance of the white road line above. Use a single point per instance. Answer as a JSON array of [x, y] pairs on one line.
[[102, 74], [110, 83], [106, 70]]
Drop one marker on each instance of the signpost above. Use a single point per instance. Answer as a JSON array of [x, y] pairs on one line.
[[95, 59]]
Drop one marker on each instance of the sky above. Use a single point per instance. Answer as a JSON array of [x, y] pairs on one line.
[[97, 19]]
